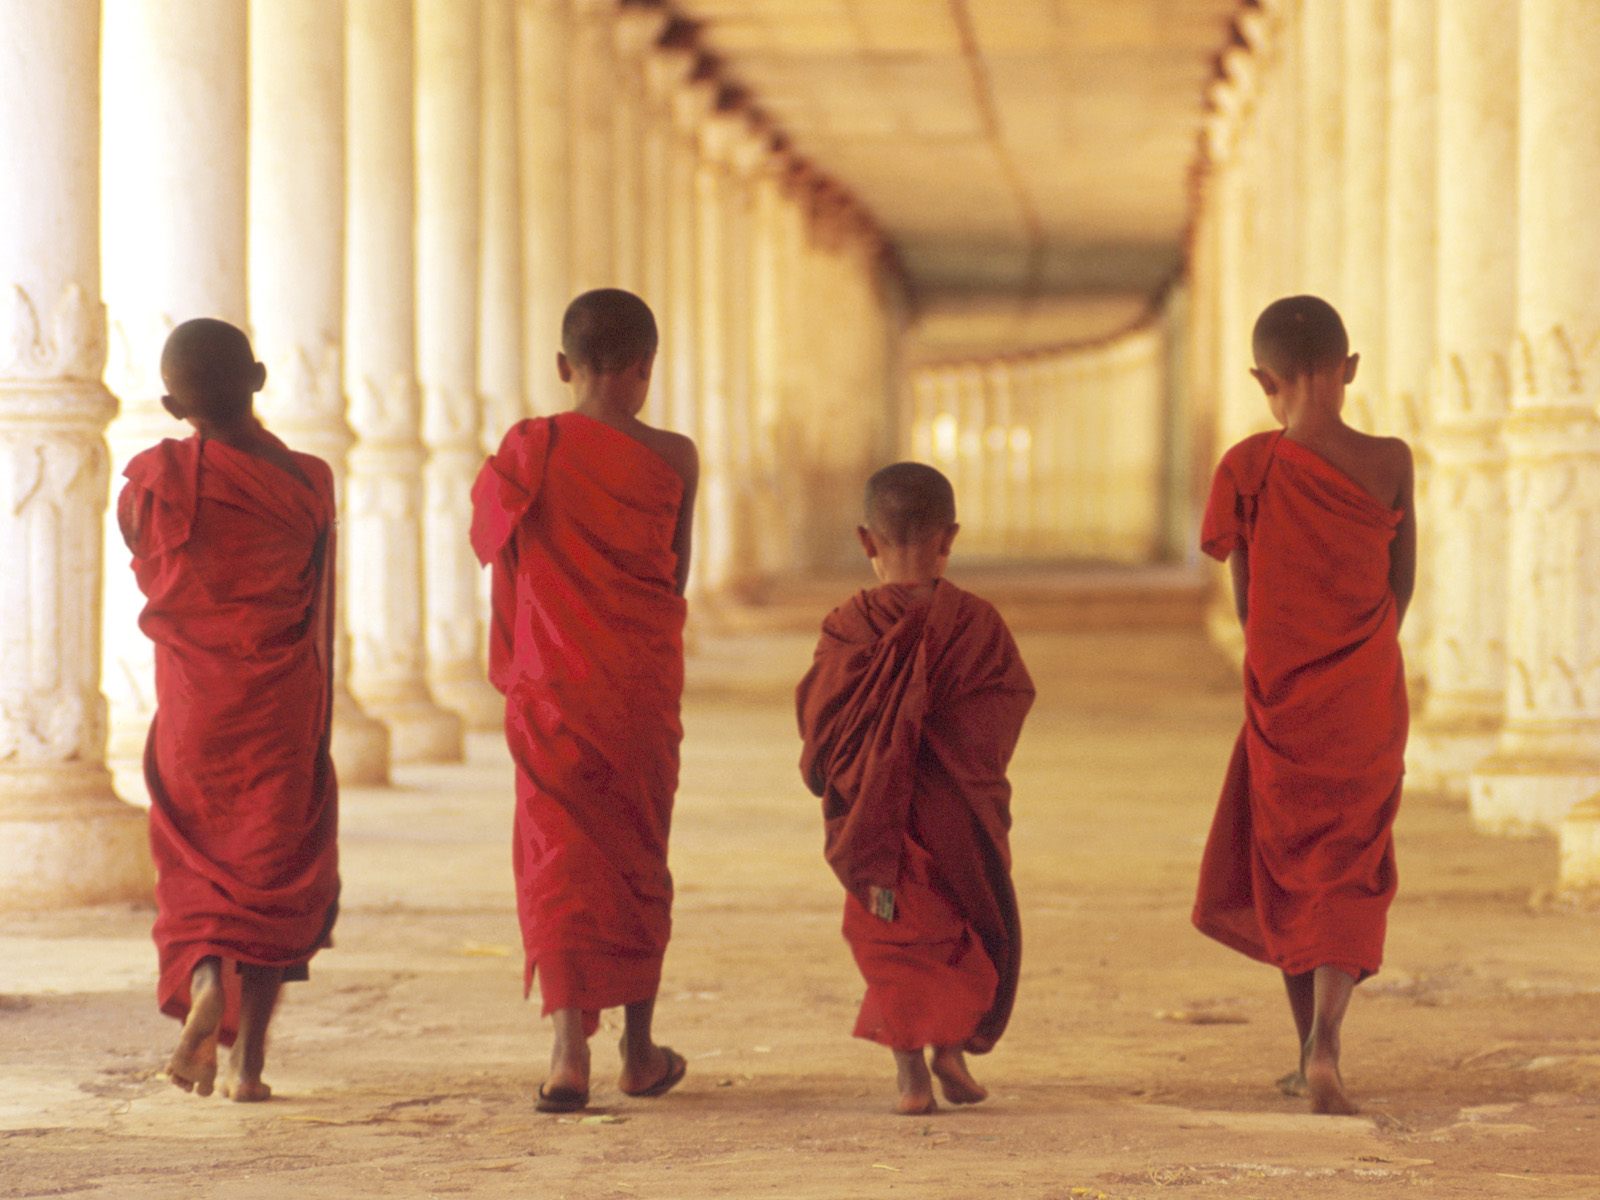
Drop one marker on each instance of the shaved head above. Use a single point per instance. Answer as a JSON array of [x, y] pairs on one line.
[[209, 367], [608, 330], [908, 503], [1299, 335]]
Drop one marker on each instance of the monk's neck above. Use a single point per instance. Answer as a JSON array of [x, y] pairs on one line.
[[246, 433], [906, 571], [611, 405], [1312, 414]]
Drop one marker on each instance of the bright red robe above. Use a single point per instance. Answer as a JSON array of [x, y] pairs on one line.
[[1299, 869], [909, 716], [235, 558], [577, 520]]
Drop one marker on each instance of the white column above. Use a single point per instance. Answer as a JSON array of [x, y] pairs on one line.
[[592, 80], [665, 70], [296, 277], [769, 326], [1363, 171], [383, 525], [716, 527], [1549, 752], [1464, 542], [173, 247], [65, 838], [635, 30], [500, 323], [748, 153], [449, 88], [543, 132], [680, 332], [1322, 146]]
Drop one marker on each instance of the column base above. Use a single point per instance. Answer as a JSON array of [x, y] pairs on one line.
[[1525, 797], [482, 709], [360, 744], [420, 731], [66, 839], [1443, 754], [1580, 848]]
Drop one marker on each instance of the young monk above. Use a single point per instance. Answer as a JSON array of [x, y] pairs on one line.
[[1317, 525], [232, 541], [909, 715], [585, 518]]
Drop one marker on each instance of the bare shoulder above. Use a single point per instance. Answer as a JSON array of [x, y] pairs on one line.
[[678, 451]]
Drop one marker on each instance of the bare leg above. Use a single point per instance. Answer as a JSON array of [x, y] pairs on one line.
[[258, 996], [1302, 1002], [1333, 990], [950, 1065], [648, 1069], [916, 1085], [193, 1065], [569, 1057]]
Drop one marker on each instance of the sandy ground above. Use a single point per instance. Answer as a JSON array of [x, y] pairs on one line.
[[1139, 1064]]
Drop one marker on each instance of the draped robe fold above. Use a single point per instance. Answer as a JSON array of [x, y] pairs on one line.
[[909, 717], [235, 558], [1299, 868], [576, 520]]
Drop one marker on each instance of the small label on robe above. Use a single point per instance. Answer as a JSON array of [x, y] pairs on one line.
[[883, 903]]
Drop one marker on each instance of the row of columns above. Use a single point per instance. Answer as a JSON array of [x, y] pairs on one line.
[[1417, 162], [397, 198], [1057, 454]]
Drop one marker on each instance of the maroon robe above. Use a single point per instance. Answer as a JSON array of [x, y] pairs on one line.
[[577, 520], [235, 557], [1299, 869], [909, 716]]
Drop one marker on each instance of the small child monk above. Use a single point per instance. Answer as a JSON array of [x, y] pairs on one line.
[[1317, 525], [232, 541], [585, 518], [909, 716]]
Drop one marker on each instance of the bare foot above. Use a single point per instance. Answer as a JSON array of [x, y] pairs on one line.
[[959, 1087], [569, 1056], [1294, 1084], [916, 1085], [1325, 1085], [193, 1065], [245, 1091]]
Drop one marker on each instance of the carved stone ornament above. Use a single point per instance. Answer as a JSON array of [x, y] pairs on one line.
[[71, 344]]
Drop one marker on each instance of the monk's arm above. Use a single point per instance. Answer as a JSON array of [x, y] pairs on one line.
[[683, 537], [1239, 567], [1403, 550]]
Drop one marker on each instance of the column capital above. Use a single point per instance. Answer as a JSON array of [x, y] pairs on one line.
[[666, 71], [721, 129], [593, 10], [693, 101]]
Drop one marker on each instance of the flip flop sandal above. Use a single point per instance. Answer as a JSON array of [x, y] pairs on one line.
[[677, 1068], [561, 1100]]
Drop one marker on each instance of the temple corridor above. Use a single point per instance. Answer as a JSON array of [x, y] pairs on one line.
[[1141, 1057]]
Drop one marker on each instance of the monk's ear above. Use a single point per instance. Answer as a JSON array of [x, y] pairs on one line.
[[257, 377], [1268, 383], [1350, 365], [868, 542], [948, 541], [563, 367], [645, 367], [174, 409]]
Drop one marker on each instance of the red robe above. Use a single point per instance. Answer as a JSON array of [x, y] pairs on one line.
[[577, 520], [235, 558], [1299, 869], [909, 716]]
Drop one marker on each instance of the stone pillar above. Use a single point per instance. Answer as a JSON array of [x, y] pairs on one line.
[[449, 91], [1363, 171], [1548, 758], [636, 28], [665, 70], [1322, 144], [687, 101], [748, 153], [717, 487], [296, 283], [592, 193], [770, 321], [173, 246], [1410, 267], [383, 526], [544, 134], [65, 838], [500, 323], [1464, 545]]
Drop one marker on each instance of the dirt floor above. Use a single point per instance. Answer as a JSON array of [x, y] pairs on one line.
[[1140, 1062]]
